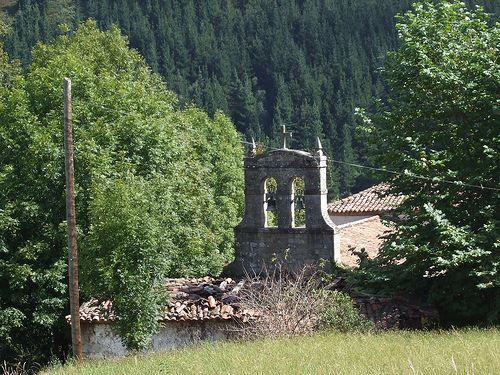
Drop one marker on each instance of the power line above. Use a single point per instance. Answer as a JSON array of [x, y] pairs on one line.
[[406, 173], [396, 173]]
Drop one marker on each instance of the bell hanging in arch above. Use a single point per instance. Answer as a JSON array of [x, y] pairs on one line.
[[299, 202], [271, 202]]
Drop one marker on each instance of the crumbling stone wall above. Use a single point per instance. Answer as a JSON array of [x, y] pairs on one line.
[[259, 247]]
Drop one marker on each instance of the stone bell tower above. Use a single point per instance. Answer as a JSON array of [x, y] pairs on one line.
[[259, 245]]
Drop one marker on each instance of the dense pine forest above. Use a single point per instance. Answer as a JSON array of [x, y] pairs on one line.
[[303, 63]]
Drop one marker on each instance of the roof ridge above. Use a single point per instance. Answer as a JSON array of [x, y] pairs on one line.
[[374, 200]]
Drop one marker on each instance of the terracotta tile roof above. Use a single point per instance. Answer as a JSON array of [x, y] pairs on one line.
[[190, 299], [207, 298], [374, 200]]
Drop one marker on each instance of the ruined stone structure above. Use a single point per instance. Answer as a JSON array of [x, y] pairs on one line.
[[199, 310], [260, 246]]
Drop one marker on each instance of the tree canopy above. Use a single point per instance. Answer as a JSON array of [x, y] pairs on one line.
[[263, 63], [440, 120], [159, 188]]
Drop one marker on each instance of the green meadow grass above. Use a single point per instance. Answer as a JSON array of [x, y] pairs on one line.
[[440, 352]]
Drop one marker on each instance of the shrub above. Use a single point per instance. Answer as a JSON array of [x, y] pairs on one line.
[[128, 255], [338, 313], [285, 303], [294, 304]]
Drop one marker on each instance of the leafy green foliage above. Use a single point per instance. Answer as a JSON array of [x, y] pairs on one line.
[[339, 314], [159, 189], [441, 120], [32, 266], [128, 242], [304, 64]]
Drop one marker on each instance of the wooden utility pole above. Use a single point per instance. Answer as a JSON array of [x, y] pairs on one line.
[[74, 293]]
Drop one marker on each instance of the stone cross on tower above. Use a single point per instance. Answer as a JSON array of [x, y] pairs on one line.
[[284, 135], [253, 150]]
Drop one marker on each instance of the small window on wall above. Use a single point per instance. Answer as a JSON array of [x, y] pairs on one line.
[[270, 204], [298, 203]]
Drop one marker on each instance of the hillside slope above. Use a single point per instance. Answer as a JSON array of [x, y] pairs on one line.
[[302, 63]]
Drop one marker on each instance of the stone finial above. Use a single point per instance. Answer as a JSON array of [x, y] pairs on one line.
[[253, 149], [319, 147], [284, 135]]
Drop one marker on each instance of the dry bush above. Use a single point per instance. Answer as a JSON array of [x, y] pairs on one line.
[[295, 303], [286, 303]]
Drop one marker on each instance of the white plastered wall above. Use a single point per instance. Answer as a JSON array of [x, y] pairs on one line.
[[100, 341], [348, 219]]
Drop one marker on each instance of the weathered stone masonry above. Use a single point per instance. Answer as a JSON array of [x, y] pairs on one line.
[[258, 246]]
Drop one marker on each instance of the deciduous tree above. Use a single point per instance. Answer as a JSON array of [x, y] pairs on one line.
[[441, 120], [159, 189]]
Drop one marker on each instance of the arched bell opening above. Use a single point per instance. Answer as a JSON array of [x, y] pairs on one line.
[[270, 205], [298, 205]]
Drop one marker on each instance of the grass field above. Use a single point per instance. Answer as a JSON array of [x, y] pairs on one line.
[[448, 352]]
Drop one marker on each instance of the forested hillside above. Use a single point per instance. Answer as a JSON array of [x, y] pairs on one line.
[[303, 63]]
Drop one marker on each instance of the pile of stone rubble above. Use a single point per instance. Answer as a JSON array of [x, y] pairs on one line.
[[396, 312], [205, 298], [389, 312]]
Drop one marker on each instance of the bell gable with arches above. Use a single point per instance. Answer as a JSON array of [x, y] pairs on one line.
[[286, 217]]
